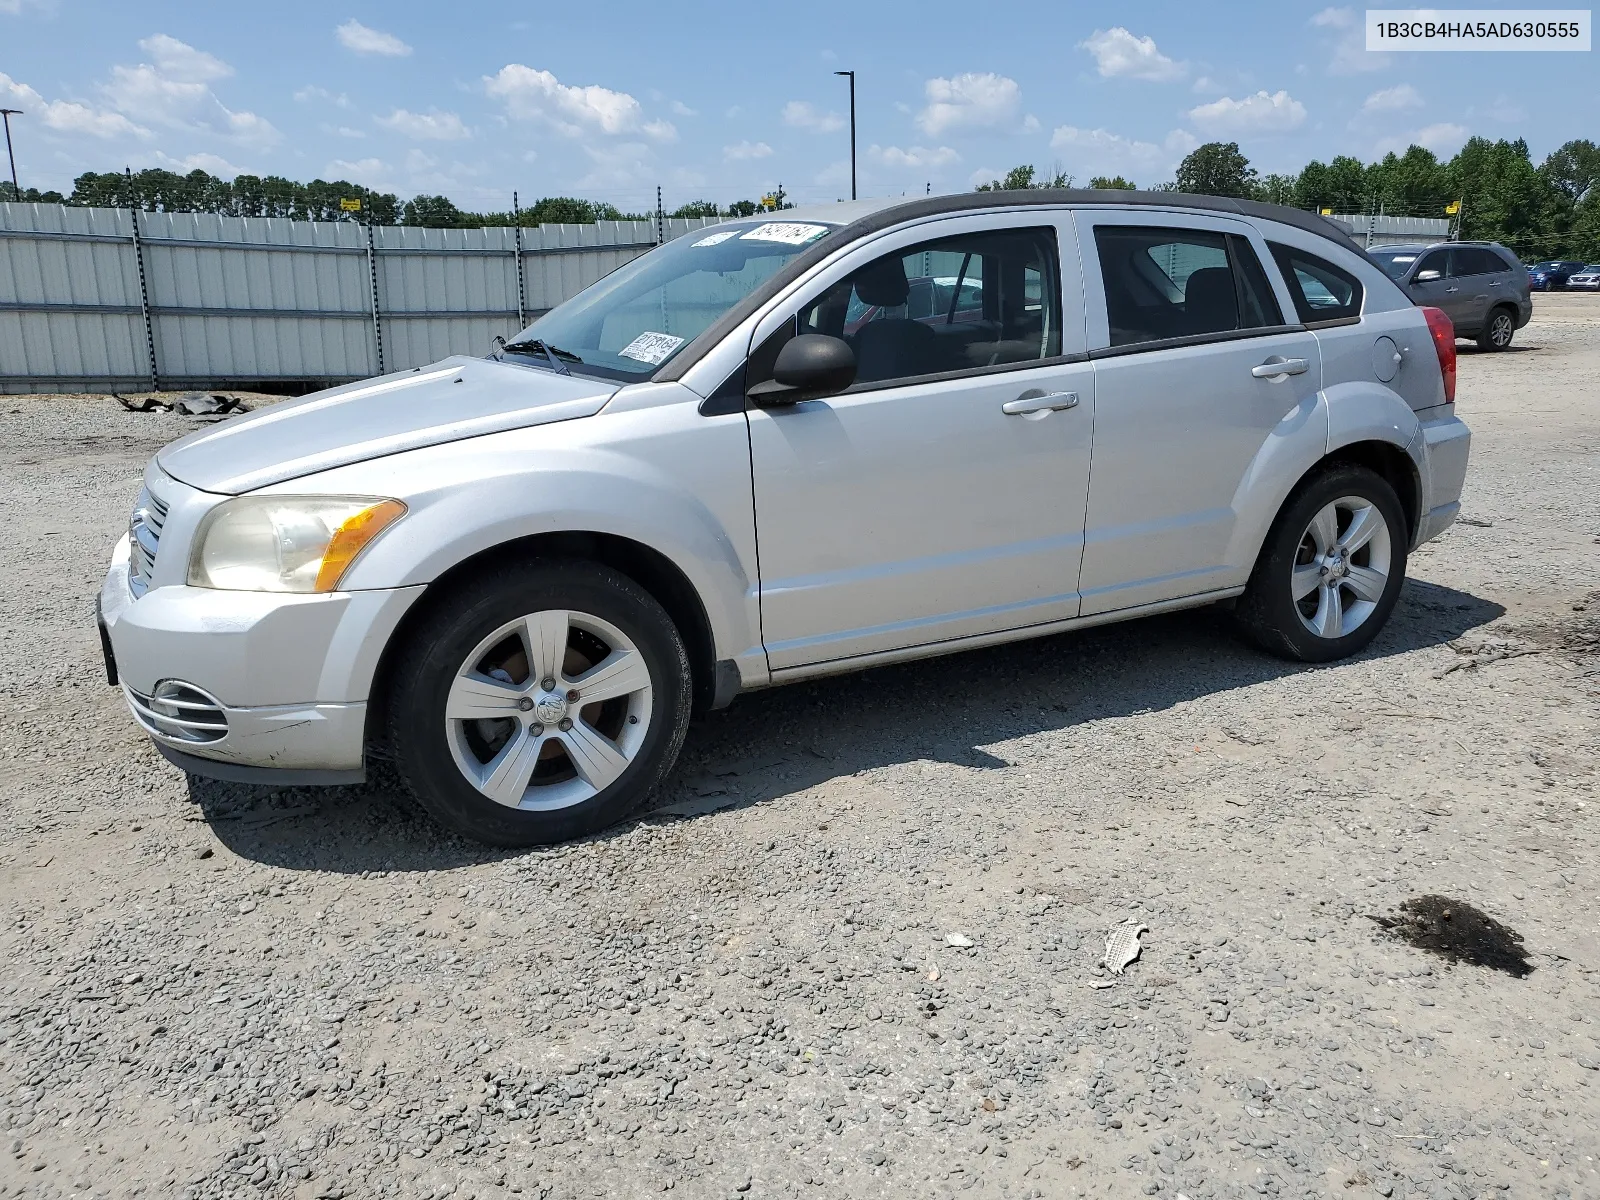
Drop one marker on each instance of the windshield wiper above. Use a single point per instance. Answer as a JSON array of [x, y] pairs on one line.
[[552, 354]]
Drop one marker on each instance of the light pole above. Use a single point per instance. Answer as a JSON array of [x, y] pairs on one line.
[[6, 114], [852, 76]]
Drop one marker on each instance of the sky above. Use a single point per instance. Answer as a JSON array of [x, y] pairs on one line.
[[726, 101]]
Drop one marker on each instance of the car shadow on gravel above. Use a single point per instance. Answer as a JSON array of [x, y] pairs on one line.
[[772, 744]]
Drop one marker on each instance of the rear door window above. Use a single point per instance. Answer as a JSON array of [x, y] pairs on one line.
[[1475, 260], [1162, 283], [1321, 291]]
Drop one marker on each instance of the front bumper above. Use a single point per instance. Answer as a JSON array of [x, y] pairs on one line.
[[286, 677]]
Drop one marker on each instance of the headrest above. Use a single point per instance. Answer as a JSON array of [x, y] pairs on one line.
[[883, 283], [1210, 297]]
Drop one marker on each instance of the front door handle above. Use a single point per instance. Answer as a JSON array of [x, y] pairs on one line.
[[1280, 368], [1037, 404]]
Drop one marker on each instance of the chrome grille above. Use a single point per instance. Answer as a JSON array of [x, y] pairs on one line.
[[179, 712], [144, 539]]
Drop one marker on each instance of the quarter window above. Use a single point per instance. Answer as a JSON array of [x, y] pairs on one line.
[[962, 303], [1162, 284], [1321, 291]]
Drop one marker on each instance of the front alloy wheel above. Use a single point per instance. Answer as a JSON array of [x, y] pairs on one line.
[[549, 710], [538, 702]]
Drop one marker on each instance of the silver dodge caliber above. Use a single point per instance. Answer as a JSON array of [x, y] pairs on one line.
[[779, 448]]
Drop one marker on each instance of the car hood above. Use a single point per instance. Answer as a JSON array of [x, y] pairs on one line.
[[453, 399]]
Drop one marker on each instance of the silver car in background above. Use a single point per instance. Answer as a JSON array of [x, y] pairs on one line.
[[1481, 286], [755, 455], [1586, 280]]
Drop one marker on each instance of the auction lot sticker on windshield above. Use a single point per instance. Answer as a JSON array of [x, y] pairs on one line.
[[790, 233], [651, 347], [716, 239]]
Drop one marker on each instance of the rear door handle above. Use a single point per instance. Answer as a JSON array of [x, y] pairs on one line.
[[1280, 368], [1038, 404]]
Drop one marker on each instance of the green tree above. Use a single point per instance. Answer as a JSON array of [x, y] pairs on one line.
[[1340, 185], [1115, 183], [1411, 184], [1574, 169], [28, 195], [437, 212], [696, 208], [1216, 169], [1275, 189], [1024, 177], [1505, 199]]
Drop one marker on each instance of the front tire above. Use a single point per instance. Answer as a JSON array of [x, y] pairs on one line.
[[1330, 570], [538, 702], [1498, 331]]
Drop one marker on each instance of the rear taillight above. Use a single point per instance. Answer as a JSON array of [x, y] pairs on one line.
[[1443, 332]]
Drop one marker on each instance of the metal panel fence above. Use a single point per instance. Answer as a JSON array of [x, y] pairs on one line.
[[100, 299], [1370, 229]]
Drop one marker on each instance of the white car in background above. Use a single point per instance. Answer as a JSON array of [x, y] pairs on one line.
[[518, 576], [1586, 280]]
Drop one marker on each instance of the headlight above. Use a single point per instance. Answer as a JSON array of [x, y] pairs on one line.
[[286, 543]]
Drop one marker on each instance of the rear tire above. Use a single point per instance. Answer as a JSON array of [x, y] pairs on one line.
[[1330, 570], [1498, 330], [538, 702]]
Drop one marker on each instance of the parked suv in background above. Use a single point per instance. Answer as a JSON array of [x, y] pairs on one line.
[[517, 576], [1552, 276], [1481, 286], [1586, 280]]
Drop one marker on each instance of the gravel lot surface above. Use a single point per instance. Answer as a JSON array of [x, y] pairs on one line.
[[855, 953]]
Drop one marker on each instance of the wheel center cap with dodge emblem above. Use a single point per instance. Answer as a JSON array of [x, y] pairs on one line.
[[551, 707]]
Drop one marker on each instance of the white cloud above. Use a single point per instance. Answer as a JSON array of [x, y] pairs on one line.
[[433, 125], [680, 109], [1350, 53], [973, 100], [803, 115], [373, 172], [312, 94], [211, 164], [1206, 84], [1119, 53], [1261, 113], [355, 36], [919, 157], [1443, 139], [67, 116], [1394, 99], [1101, 152], [174, 90], [617, 165], [984, 175], [344, 131], [532, 95], [183, 60], [743, 151]]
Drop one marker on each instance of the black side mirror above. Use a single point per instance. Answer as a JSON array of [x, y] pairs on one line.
[[808, 366]]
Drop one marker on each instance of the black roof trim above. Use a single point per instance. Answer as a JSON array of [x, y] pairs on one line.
[[931, 206]]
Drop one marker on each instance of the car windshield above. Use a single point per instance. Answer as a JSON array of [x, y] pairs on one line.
[[640, 315], [1395, 262]]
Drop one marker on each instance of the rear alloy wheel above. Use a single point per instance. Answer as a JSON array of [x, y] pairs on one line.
[[1331, 569], [543, 704], [1497, 334]]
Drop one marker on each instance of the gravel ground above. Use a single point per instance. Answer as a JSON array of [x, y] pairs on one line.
[[858, 956]]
